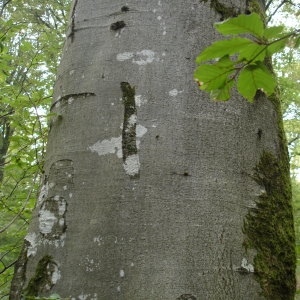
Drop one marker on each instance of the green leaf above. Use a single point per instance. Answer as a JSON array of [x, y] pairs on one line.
[[276, 47], [273, 32], [254, 51], [242, 24], [222, 94], [225, 47], [253, 78], [214, 77]]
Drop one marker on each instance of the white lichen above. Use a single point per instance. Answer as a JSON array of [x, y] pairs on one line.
[[139, 100], [51, 185], [70, 100], [55, 275], [174, 93], [141, 58], [132, 120], [144, 57], [46, 221], [98, 240], [245, 265], [112, 146], [140, 131], [33, 243], [62, 207], [132, 165], [61, 222], [125, 56], [43, 193]]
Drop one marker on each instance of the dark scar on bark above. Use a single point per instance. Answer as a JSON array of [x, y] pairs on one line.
[[117, 25]]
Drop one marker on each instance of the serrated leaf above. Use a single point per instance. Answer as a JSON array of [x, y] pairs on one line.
[[242, 24], [275, 47], [214, 77], [225, 47], [254, 51], [222, 94], [273, 32], [253, 78]]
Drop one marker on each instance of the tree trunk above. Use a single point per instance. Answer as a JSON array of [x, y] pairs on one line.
[[151, 190]]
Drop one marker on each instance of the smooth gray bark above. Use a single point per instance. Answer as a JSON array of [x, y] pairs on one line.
[[164, 222]]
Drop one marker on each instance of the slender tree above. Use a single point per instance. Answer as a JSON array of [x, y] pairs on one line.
[[151, 190]]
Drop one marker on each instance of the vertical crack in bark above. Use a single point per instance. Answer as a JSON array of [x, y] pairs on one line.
[[130, 157]]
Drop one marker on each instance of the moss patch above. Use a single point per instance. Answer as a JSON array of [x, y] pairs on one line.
[[269, 229], [257, 7], [42, 280], [225, 11], [129, 124]]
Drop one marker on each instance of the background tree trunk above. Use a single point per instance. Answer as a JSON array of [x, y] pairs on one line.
[[148, 183]]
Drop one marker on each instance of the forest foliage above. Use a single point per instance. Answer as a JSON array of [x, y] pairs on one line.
[[31, 38]]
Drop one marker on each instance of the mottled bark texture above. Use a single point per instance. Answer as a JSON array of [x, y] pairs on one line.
[[160, 197]]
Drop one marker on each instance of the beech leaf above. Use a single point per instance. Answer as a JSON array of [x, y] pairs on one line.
[[242, 24], [253, 78]]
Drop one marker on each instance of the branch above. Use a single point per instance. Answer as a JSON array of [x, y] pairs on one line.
[[22, 209], [293, 140], [275, 11], [3, 7]]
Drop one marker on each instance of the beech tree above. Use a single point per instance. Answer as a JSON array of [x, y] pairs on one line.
[[151, 190]]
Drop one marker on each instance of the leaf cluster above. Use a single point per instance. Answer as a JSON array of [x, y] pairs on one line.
[[241, 59]]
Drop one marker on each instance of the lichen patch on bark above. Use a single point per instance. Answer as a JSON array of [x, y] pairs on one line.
[[141, 58]]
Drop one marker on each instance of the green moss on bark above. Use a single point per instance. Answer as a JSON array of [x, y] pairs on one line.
[[129, 146], [42, 280], [269, 229], [256, 6], [225, 11]]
